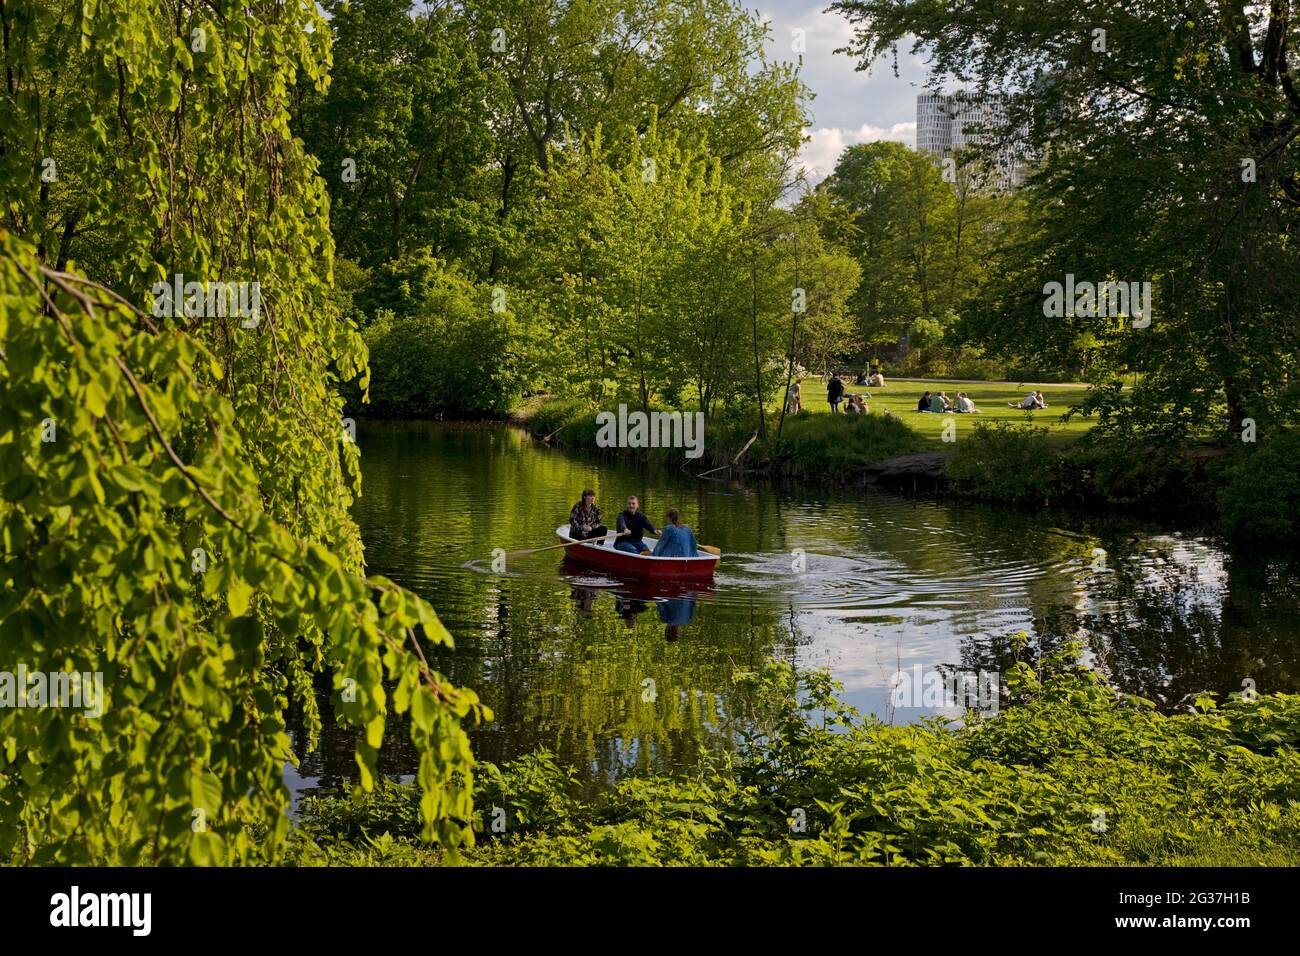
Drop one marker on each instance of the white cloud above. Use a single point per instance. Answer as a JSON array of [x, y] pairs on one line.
[[820, 153]]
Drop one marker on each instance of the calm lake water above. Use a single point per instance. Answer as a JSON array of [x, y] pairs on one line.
[[563, 655]]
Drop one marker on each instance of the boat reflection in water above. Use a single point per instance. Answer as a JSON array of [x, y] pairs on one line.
[[675, 612], [673, 603]]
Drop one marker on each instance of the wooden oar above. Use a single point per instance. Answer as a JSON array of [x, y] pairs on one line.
[[525, 552]]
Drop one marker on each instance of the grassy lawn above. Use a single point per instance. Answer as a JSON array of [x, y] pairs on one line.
[[900, 396]]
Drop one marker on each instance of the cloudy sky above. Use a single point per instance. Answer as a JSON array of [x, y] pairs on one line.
[[850, 106]]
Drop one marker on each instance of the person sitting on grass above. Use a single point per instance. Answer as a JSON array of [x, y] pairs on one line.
[[857, 405], [1032, 400], [877, 380], [965, 405], [632, 524], [939, 403], [861, 379], [584, 519], [924, 404], [677, 540]]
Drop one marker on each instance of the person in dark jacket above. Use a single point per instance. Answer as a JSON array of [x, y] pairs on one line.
[[924, 404], [835, 393], [633, 524], [584, 519]]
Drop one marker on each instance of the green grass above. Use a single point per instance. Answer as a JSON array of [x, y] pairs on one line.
[[900, 396]]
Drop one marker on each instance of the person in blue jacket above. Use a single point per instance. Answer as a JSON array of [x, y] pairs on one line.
[[676, 540]]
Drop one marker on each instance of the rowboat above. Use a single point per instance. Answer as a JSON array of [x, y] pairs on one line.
[[603, 555]]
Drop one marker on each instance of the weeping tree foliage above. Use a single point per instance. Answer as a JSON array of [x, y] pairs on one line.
[[174, 485]]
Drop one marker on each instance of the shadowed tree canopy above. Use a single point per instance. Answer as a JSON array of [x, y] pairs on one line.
[[1165, 138]]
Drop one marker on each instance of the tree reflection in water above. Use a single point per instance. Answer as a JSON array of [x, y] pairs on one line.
[[562, 656]]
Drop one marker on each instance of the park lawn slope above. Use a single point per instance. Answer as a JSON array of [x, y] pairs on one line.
[[812, 442], [900, 397]]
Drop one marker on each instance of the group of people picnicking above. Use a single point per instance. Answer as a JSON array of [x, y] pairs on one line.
[[939, 403], [676, 539], [836, 393], [933, 402], [854, 403]]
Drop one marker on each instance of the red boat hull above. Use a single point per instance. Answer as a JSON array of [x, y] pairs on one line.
[[639, 567]]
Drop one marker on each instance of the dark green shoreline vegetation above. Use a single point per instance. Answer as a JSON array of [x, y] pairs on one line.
[[1000, 462], [1067, 773], [810, 446]]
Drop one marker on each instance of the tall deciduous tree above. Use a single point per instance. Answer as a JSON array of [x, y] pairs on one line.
[[904, 214], [1166, 138], [402, 133]]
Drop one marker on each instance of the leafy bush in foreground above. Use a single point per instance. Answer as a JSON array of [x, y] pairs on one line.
[[1070, 773]]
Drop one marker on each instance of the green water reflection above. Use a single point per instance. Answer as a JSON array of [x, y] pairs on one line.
[[864, 583]]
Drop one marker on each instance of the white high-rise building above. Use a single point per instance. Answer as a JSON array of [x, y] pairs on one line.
[[933, 123], [949, 124]]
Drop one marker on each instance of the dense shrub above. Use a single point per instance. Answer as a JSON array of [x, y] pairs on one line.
[[1007, 463], [1261, 499], [568, 422], [1030, 373], [571, 423], [1122, 469], [447, 356], [1028, 785], [972, 363], [966, 361], [821, 445]]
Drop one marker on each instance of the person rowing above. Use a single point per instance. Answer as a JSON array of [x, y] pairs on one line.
[[632, 524], [677, 540], [584, 519]]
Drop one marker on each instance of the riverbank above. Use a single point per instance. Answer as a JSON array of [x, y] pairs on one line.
[[1014, 459], [1066, 772]]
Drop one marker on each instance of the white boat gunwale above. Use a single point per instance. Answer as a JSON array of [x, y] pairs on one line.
[[562, 532]]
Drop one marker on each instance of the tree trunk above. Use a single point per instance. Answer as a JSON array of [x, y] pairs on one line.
[[758, 368]]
